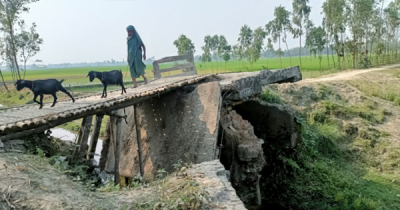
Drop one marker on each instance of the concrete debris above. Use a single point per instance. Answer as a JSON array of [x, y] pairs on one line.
[[250, 130], [242, 154], [213, 178]]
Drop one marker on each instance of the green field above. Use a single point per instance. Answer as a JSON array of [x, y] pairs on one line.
[[308, 64], [311, 67]]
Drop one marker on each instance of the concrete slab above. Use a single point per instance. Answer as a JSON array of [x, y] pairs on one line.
[[241, 86]]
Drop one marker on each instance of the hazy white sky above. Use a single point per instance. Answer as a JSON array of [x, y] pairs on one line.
[[95, 30]]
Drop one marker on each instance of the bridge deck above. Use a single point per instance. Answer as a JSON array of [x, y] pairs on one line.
[[24, 120], [30, 116]]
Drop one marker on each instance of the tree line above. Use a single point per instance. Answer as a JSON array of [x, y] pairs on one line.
[[357, 29], [18, 42]]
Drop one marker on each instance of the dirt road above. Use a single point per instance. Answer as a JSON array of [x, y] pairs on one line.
[[347, 75]]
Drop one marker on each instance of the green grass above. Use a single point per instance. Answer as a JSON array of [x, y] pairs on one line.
[[388, 90], [328, 175], [367, 111], [65, 72], [331, 104], [309, 64], [14, 97], [271, 97], [25, 96], [311, 67], [337, 167]]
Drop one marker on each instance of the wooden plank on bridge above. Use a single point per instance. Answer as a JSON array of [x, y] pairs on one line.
[[174, 58], [177, 67], [36, 120], [187, 67]]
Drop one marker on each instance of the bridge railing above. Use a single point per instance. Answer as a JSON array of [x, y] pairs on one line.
[[188, 67]]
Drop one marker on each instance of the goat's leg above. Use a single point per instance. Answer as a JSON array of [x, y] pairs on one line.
[[105, 91], [123, 88], [41, 101], [34, 98], [62, 89], [55, 99]]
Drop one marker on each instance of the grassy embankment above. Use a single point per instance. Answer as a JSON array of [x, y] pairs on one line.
[[350, 156]]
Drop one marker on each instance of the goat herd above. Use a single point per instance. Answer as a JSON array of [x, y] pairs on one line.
[[51, 86]]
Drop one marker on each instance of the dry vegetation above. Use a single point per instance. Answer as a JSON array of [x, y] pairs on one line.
[[31, 182]]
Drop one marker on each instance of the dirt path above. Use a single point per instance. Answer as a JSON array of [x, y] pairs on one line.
[[347, 75]]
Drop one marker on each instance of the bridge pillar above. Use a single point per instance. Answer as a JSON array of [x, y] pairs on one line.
[[139, 140], [118, 140], [83, 137], [95, 136]]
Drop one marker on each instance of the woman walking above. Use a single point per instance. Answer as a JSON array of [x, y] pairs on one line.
[[135, 46]]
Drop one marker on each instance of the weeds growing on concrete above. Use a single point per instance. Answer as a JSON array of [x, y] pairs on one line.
[[271, 97]]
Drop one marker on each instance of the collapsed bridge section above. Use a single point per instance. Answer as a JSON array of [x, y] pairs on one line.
[[182, 125], [171, 120]]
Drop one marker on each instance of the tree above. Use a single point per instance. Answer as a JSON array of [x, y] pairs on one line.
[[359, 19], [214, 45], [392, 17], [284, 17], [257, 45], [278, 29], [226, 55], [28, 42], [245, 39], [327, 43], [184, 45], [224, 49], [9, 16], [376, 31], [1, 54], [334, 11], [235, 52], [206, 56], [222, 44], [315, 42], [301, 13]]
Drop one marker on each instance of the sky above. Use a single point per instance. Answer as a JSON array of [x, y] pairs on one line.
[[95, 30]]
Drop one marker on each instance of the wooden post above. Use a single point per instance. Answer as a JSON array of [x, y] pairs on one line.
[[81, 135], [83, 145], [118, 140], [193, 66], [107, 141], [78, 142], [139, 140], [95, 136], [156, 70], [258, 192]]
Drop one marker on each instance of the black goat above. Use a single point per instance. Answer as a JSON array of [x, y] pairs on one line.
[[40, 87], [113, 77]]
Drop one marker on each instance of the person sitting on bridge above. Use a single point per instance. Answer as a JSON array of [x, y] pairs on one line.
[[136, 65]]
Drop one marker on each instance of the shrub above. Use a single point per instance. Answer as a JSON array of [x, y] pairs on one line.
[[271, 97], [397, 100]]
